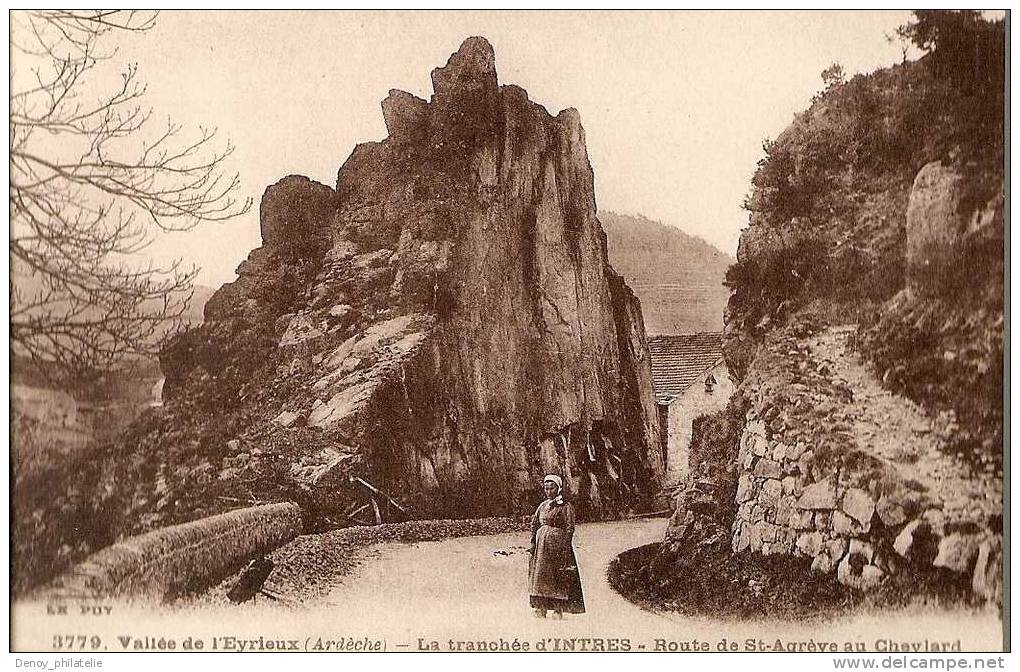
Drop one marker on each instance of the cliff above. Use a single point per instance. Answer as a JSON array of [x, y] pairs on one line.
[[444, 324]]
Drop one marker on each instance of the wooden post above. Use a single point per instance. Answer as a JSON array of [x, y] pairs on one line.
[[353, 514], [380, 493], [375, 508]]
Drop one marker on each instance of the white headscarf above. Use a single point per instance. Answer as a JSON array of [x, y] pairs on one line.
[[558, 482]]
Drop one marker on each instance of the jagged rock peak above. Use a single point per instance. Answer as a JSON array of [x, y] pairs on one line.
[[296, 210], [447, 313], [403, 112], [472, 68]]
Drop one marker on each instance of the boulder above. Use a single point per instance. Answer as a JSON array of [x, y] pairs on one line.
[[791, 486], [935, 223], [843, 524], [828, 556], [745, 488], [957, 552], [987, 579], [794, 452], [890, 511], [754, 535], [771, 491], [871, 577], [917, 542], [768, 469], [288, 419], [339, 311], [748, 461], [785, 509], [743, 447], [823, 563], [861, 548], [810, 543], [857, 572], [802, 520], [836, 548]]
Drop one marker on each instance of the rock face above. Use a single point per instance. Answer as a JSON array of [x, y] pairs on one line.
[[938, 219], [447, 315], [887, 432]]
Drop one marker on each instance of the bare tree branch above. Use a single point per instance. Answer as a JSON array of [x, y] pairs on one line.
[[91, 185]]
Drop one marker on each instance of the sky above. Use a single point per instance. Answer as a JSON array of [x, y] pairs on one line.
[[675, 105]]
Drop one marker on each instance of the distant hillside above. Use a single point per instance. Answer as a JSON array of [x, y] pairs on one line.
[[679, 278], [201, 294], [54, 420]]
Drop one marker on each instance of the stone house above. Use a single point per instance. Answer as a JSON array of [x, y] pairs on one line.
[[690, 379]]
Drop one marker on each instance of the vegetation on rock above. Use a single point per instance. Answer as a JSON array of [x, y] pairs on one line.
[[828, 234]]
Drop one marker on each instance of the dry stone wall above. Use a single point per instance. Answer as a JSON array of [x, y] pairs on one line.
[[834, 469], [781, 510]]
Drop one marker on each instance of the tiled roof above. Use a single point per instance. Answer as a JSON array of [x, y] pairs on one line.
[[678, 361]]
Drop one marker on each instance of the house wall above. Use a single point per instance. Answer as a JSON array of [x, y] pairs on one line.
[[693, 403]]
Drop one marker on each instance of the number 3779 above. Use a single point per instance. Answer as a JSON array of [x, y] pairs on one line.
[[76, 642]]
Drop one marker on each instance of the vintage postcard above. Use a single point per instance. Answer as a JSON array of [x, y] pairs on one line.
[[521, 331]]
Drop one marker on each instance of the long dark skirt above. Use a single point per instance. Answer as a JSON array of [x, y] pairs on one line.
[[553, 575]]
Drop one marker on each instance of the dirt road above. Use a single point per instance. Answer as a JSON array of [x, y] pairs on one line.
[[907, 438], [475, 588]]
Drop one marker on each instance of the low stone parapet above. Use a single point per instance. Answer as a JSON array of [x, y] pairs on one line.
[[180, 558]]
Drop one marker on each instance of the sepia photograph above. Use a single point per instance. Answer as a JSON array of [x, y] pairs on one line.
[[509, 331]]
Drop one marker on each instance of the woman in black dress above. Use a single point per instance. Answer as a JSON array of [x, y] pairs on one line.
[[552, 573]]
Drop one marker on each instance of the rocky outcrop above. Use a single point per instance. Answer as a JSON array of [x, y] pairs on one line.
[[446, 318], [940, 340], [865, 331]]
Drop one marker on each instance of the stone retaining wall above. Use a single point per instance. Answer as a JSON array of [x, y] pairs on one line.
[[857, 518]]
